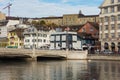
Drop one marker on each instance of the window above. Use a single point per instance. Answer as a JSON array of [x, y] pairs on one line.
[[105, 10], [27, 40], [112, 26], [106, 19], [91, 29], [118, 17], [34, 40], [112, 35], [39, 40], [40, 35], [112, 18], [118, 7], [112, 1], [112, 9], [44, 40], [118, 34], [106, 27], [44, 35], [52, 38], [118, 26], [27, 35], [83, 29], [34, 35], [106, 35], [118, 0]]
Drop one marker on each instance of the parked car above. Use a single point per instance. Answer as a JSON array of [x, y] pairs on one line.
[[107, 52]]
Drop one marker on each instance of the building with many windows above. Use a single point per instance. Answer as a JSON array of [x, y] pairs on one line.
[[70, 19], [34, 37], [110, 25], [15, 38], [3, 34], [65, 40]]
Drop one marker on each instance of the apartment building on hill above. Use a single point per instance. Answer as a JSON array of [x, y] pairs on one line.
[[70, 19]]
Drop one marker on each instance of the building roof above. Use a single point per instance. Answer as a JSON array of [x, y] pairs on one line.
[[72, 27], [15, 18], [95, 25], [55, 33], [90, 16], [19, 32], [12, 22], [3, 23], [51, 18]]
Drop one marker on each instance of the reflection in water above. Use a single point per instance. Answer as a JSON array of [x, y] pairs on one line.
[[60, 70]]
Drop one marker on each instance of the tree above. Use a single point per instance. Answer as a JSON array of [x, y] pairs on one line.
[[42, 23]]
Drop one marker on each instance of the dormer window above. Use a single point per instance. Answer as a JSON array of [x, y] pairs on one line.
[[112, 1], [83, 29], [91, 29]]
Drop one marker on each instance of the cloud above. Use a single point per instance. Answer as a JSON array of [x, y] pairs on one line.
[[39, 8]]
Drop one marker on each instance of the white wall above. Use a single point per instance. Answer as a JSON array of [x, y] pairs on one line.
[[3, 30]]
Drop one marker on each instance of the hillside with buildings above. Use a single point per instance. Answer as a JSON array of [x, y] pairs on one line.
[[21, 32]]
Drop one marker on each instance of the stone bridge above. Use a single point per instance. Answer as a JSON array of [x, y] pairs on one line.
[[34, 53]]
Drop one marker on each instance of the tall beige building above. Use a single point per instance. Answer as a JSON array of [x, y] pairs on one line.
[[2, 16], [110, 25], [71, 19]]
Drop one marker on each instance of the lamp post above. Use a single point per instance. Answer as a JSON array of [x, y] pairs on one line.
[[67, 43], [33, 55]]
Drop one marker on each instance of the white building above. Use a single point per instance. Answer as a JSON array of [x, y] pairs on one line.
[[64, 40], [3, 29], [36, 38], [6, 26]]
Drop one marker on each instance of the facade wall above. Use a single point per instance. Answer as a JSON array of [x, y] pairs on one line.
[[64, 40], [83, 20], [71, 19], [110, 23], [3, 31], [14, 41], [57, 21], [37, 39]]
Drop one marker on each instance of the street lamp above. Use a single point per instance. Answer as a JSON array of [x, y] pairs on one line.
[[33, 55], [67, 43]]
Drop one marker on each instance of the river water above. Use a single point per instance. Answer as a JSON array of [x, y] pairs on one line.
[[60, 70]]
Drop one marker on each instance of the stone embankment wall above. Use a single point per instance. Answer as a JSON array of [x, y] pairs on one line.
[[115, 57]]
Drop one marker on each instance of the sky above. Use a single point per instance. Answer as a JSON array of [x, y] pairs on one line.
[[46, 8]]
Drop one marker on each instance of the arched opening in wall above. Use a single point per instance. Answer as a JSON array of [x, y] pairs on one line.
[[113, 47], [119, 47], [106, 46]]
